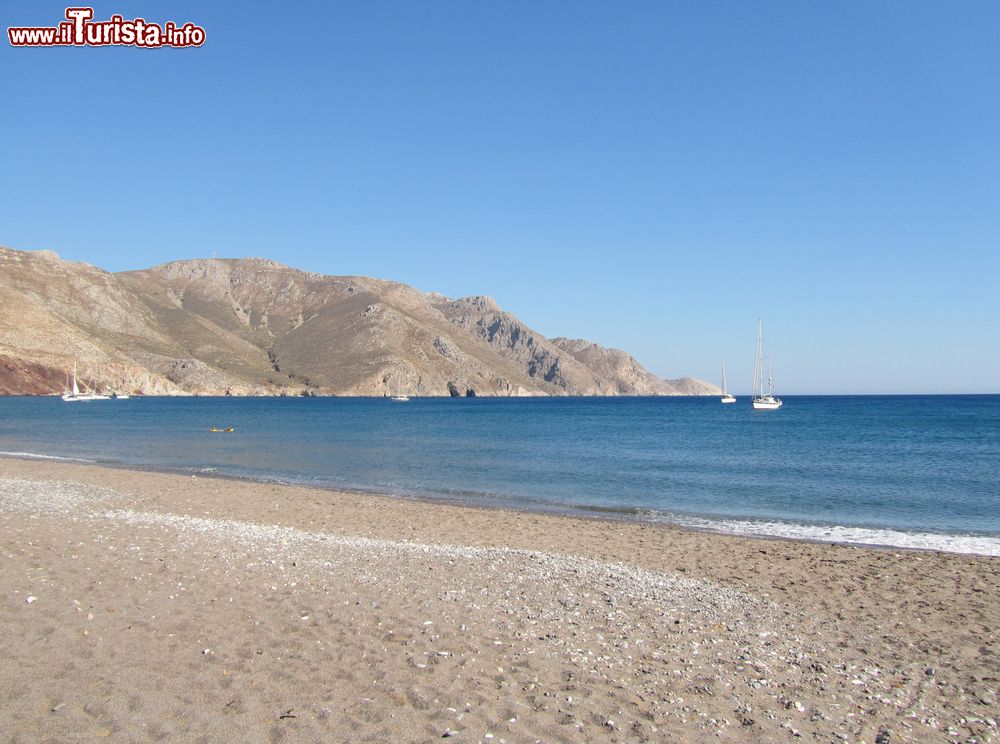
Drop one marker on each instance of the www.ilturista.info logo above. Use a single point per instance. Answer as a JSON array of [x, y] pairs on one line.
[[80, 29]]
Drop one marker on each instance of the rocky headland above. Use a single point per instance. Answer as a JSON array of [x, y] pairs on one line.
[[253, 326]]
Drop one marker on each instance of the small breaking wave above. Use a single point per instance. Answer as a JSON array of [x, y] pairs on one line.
[[881, 537], [37, 456]]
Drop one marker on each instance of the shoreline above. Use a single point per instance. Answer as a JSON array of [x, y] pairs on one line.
[[987, 545], [271, 601], [486, 396]]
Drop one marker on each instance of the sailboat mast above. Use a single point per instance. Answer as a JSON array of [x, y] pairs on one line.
[[758, 381], [763, 401]]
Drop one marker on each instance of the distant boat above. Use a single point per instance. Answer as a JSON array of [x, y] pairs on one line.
[[762, 401], [400, 398], [120, 393], [726, 397], [74, 395]]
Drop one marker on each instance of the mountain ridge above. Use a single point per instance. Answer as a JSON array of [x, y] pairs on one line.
[[254, 326]]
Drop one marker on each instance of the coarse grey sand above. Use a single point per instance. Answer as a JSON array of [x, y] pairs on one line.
[[142, 606]]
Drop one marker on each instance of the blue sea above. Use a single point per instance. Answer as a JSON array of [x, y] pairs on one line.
[[906, 471]]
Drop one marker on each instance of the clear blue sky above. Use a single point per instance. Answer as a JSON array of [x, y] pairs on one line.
[[650, 175]]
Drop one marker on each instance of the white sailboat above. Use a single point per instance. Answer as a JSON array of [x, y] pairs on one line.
[[74, 395], [121, 392], [763, 401], [726, 396]]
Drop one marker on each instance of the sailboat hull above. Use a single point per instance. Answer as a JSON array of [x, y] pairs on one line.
[[767, 404], [728, 399], [84, 397]]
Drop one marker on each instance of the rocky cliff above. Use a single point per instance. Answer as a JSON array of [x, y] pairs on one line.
[[626, 374], [255, 327]]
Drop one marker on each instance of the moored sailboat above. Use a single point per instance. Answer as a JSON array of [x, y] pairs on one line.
[[727, 397], [74, 395], [121, 391], [763, 401]]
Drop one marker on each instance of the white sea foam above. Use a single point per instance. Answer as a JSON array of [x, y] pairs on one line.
[[966, 544], [37, 456]]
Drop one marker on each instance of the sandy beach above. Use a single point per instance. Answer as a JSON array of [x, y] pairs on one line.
[[140, 606]]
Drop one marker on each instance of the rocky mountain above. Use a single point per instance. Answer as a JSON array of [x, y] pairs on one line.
[[628, 376], [256, 327]]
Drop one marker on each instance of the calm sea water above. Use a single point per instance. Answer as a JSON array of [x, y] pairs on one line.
[[895, 470]]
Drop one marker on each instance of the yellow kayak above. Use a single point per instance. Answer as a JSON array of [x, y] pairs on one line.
[[217, 430]]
